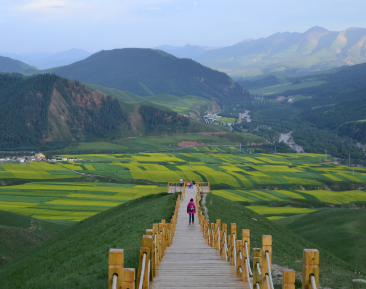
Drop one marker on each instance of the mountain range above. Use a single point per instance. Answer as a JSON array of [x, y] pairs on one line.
[[186, 51], [8, 64], [316, 49], [148, 72], [49, 60]]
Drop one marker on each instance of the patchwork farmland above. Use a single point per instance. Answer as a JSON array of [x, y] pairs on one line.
[[276, 186]]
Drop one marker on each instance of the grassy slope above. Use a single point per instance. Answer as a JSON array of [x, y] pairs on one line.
[[19, 234], [339, 230], [287, 246], [78, 257]]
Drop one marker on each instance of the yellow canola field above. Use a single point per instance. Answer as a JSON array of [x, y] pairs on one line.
[[262, 210], [69, 201], [338, 197], [230, 196]]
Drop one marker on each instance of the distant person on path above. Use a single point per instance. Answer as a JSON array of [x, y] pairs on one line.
[[191, 210], [181, 182]]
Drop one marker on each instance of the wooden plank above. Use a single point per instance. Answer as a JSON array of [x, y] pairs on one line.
[[189, 262]]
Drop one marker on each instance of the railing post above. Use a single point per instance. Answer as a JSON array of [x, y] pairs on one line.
[[115, 260], [156, 241], [216, 236], [212, 230], [128, 278], [310, 267], [150, 232], [246, 239], [162, 234], [288, 279], [145, 249], [207, 232], [233, 237], [224, 233], [266, 247], [228, 248], [217, 232], [169, 234], [257, 258], [239, 250]]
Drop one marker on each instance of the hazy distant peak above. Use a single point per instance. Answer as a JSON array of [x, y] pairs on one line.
[[247, 40]]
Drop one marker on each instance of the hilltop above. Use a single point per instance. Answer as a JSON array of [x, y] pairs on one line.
[[11, 65], [316, 49], [149, 72]]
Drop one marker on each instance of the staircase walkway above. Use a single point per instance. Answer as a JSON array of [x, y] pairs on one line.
[[189, 262]]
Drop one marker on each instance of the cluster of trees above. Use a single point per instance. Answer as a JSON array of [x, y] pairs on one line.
[[160, 120]]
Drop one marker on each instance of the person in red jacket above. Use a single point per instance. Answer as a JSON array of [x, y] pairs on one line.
[[191, 210]]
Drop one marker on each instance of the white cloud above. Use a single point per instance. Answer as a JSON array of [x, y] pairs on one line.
[[195, 3], [153, 8]]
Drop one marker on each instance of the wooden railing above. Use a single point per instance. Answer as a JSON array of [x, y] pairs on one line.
[[153, 246], [237, 252], [175, 188], [203, 187]]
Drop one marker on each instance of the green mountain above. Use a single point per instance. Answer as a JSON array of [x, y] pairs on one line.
[[148, 72], [49, 110], [325, 110], [11, 65], [313, 50]]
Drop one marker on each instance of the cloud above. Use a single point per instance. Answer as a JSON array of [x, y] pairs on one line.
[[153, 8], [195, 3]]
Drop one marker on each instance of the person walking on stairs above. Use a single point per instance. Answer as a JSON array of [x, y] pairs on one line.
[[191, 210]]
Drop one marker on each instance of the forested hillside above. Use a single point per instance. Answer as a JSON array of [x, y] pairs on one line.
[[327, 117], [148, 72], [11, 65], [50, 110], [340, 100]]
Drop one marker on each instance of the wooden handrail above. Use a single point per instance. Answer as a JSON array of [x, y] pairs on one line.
[[242, 248], [153, 245]]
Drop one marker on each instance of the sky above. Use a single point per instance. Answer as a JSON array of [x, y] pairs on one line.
[[29, 26]]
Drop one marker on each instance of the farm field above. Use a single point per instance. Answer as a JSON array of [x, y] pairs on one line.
[[213, 164], [277, 204], [219, 136], [275, 186], [69, 201]]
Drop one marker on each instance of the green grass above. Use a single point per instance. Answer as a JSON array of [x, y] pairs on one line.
[[78, 257], [68, 201], [287, 246], [100, 146], [19, 234], [279, 88], [338, 230]]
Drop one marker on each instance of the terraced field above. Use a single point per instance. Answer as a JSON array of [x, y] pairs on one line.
[[277, 186], [277, 203], [68, 201]]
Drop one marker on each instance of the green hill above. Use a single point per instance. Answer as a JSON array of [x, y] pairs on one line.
[[287, 246], [78, 257], [297, 53], [337, 230], [47, 110], [19, 234], [11, 65], [148, 72]]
